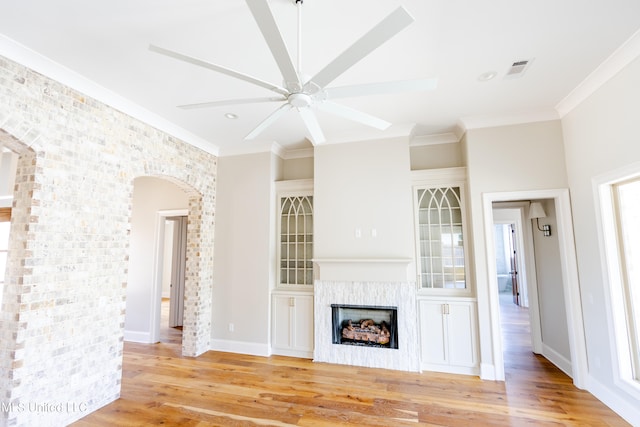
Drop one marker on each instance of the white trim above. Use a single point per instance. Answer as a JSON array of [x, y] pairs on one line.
[[434, 139], [241, 347], [478, 122], [450, 369], [619, 59], [298, 153], [571, 284], [488, 372], [609, 258], [286, 186], [29, 58], [156, 279], [629, 411], [442, 176], [246, 147], [143, 337], [557, 359]]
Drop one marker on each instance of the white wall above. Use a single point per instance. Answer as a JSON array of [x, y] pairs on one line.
[[551, 301], [8, 164], [601, 135], [244, 253], [150, 195], [506, 159], [166, 259], [365, 186], [435, 156]]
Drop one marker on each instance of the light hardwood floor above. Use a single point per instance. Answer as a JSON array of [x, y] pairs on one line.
[[160, 387]]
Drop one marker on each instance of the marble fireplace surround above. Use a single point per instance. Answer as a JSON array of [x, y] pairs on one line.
[[368, 292]]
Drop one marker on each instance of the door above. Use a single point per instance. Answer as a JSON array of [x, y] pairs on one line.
[[515, 287], [178, 266]]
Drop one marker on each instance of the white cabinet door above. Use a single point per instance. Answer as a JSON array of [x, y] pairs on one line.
[[281, 313], [292, 325], [461, 333], [433, 347], [448, 339], [303, 323]]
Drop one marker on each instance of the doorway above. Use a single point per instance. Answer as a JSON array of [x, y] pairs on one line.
[[565, 282], [516, 275], [178, 261], [171, 249]]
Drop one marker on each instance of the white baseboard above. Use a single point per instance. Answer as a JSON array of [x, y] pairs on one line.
[[242, 347], [137, 336], [292, 353], [629, 411], [488, 371], [448, 369], [557, 359]]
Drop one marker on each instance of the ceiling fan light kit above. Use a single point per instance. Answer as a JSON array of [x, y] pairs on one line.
[[307, 94]]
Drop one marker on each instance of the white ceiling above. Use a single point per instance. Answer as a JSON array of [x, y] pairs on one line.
[[456, 41]]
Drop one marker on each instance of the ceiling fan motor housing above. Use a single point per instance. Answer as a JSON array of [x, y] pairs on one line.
[[300, 100]]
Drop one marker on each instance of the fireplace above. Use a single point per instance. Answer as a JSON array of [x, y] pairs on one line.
[[376, 294], [370, 326]]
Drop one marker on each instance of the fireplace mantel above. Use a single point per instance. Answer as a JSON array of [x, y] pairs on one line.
[[365, 269]]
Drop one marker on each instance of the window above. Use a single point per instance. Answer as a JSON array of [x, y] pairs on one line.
[[295, 231], [626, 198]]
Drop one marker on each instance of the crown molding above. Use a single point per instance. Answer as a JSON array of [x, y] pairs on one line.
[[298, 153], [619, 59], [21, 54], [253, 147], [478, 122], [435, 139]]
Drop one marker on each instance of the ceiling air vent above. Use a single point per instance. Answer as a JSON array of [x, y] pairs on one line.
[[518, 68]]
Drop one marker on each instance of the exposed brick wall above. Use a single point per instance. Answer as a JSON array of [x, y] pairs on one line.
[[63, 304]]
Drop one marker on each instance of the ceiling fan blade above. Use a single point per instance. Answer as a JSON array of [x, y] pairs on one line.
[[381, 88], [386, 29], [230, 102], [267, 24], [354, 115], [268, 121], [311, 122], [218, 68]]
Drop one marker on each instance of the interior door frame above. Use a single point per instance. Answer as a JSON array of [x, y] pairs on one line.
[[526, 263], [178, 265], [158, 257], [570, 281]]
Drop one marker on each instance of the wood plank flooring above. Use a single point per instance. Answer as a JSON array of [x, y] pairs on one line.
[[160, 387]]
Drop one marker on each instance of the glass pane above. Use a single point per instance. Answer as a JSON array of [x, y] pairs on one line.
[[440, 234], [296, 233], [629, 229]]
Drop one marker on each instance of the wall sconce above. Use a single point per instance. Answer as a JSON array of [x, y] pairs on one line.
[[537, 211]]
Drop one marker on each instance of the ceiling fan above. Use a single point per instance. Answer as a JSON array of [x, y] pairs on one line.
[[302, 93]]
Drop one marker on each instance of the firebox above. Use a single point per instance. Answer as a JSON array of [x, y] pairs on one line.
[[371, 326]]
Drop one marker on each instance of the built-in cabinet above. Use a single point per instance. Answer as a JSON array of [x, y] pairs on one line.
[[448, 335], [292, 324], [292, 296], [447, 318]]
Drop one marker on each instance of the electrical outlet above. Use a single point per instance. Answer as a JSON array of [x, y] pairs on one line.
[[230, 327]]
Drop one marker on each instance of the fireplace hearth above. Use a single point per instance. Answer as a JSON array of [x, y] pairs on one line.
[[370, 326]]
